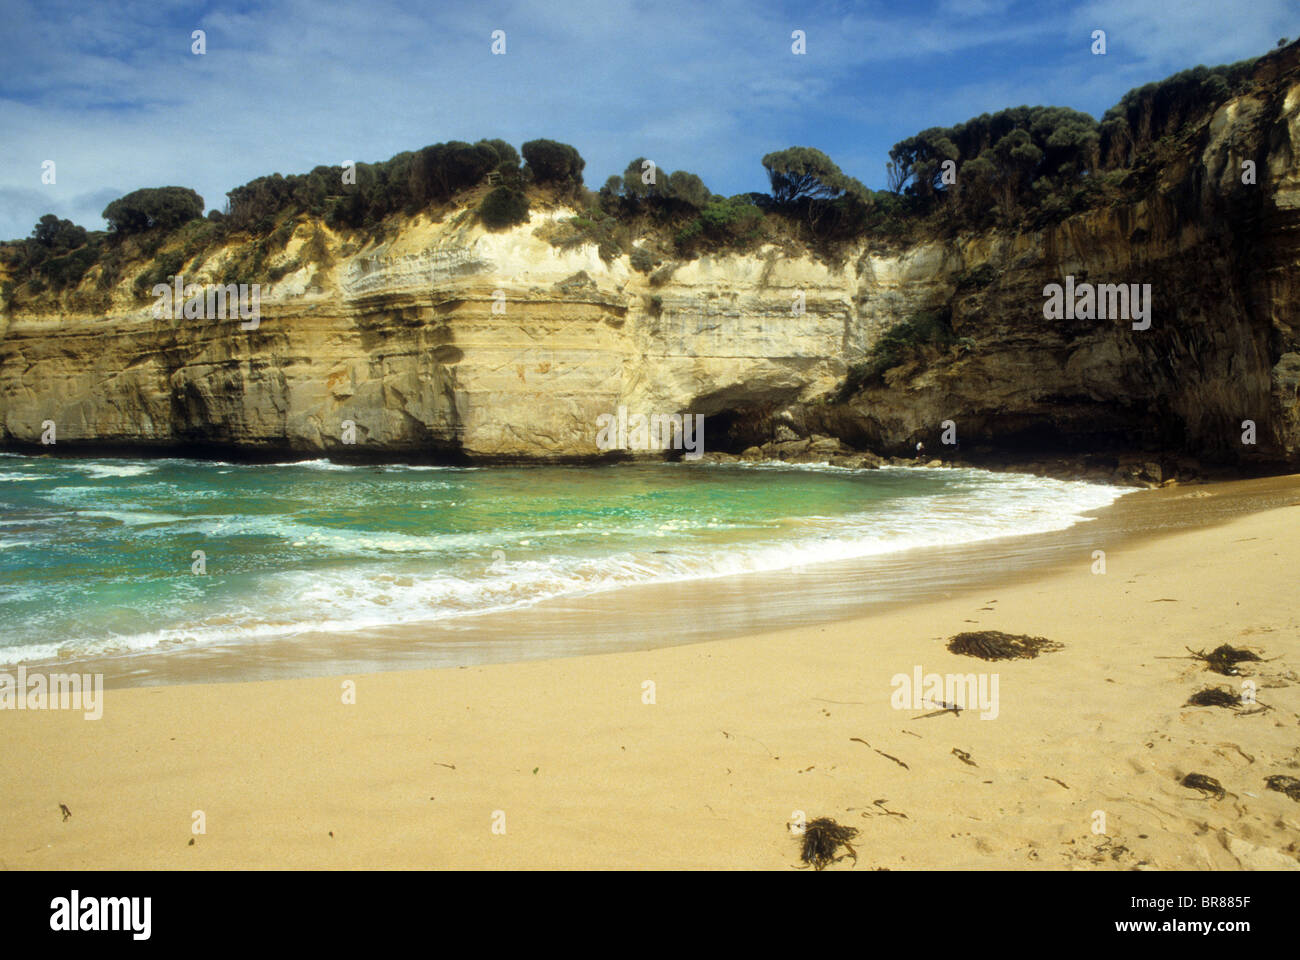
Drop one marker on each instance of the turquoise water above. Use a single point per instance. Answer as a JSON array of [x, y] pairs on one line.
[[97, 556]]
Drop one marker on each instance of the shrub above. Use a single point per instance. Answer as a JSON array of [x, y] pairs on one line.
[[161, 270], [504, 207], [898, 344], [67, 271], [316, 249], [730, 222]]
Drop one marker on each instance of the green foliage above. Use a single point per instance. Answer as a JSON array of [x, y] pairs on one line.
[[440, 171], [688, 189], [610, 237], [162, 207], [67, 270], [1145, 114], [55, 236], [280, 271], [407, 182], [1005, 163], [634, 187], [248, 265], [504, 207], [642, 260], [902, 342], [671, 194], [56, 256], [806, 182], [722, 222], [551, 162], [807, 173], [507, 156], [163, 268], [316, 249]]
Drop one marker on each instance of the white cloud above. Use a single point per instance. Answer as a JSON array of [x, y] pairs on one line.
[[113, 95]]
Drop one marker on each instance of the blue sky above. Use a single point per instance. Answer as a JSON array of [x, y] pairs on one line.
[[111, 92]]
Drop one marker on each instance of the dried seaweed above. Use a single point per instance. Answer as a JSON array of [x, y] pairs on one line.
[[947, 708], [1284, 784], [1199, 781], [1214, 697], [995, 645], [882, 753], [1224, 658], [822, 838]]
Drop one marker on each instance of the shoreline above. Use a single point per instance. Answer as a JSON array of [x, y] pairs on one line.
[[655, 615], [741, 734], [1119, 466]]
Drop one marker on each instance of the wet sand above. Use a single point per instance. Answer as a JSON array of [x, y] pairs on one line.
[[564, 763]]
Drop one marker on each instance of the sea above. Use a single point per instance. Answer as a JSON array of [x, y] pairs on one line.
[[127, 557]]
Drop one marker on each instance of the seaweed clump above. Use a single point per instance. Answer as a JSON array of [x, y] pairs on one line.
[[1199, 781], [1284, 784], [822, 838], [1224, 658], [1214, 697], [995, 645]]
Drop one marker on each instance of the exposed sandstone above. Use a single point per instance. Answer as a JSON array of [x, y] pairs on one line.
[[446, 340]]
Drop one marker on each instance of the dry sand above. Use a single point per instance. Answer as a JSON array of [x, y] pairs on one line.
[[742, 734]]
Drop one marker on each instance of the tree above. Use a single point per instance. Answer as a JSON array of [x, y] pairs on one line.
[[506, 154], [57, 236], [1017, 159], [551, 162], [920, 159], [437, 172], [610, 196], [804, 178], [634, 186], [687, 189], [165, 207], [800, 173], [896, 176]]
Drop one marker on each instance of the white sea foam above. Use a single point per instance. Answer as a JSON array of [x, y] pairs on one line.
[[534, 565], [99, 471]]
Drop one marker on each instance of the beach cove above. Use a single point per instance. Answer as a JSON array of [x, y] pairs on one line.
[[702, 755]]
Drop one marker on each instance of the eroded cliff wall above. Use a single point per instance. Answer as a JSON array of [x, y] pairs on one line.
[[449, 340]]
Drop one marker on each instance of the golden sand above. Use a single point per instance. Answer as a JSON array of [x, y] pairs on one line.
[[564, 763]]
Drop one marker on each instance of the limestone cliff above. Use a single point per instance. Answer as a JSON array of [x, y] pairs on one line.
[[447, 340]]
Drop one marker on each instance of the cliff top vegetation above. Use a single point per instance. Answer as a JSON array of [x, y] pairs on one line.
[[1019, 168]]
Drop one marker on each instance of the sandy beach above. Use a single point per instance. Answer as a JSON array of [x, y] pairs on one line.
[[565, 763]]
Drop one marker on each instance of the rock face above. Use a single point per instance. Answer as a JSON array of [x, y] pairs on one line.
[[450, 341]]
